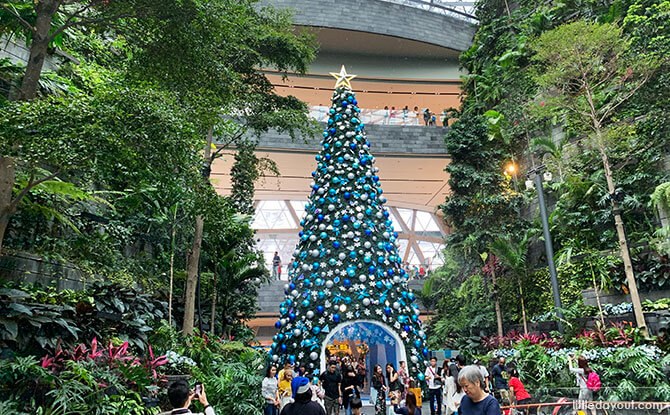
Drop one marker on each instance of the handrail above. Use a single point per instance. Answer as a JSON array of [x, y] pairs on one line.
[[376, 116], [585, 404]]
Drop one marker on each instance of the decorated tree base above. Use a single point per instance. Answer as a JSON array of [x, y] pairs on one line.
[[346, 268]]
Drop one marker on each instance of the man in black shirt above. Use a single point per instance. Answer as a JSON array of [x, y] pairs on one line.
[[500, 377], [332, 382], [276, 266]]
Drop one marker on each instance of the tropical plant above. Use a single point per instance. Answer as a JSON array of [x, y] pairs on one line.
[[514, 256], [585, 74]]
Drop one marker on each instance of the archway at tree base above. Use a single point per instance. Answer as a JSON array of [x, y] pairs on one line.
[[383, 343]]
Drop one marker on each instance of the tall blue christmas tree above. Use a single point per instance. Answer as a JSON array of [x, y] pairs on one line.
[[346, 267]]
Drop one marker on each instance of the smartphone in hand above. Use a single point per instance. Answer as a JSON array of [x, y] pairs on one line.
[[198, 390]]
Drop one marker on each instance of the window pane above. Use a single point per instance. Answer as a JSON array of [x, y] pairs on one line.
[[406, 216]]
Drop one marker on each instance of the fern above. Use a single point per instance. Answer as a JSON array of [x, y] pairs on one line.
[[661, 197]]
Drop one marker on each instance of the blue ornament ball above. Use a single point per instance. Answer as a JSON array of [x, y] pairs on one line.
[[421, 376], [319, 309], [336, 318]]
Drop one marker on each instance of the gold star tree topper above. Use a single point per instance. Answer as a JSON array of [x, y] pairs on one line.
[[342, 78]]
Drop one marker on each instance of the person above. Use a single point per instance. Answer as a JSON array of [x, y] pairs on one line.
[[395, 385], [285, 392], [302, 399], [349, 387], [433, 376], [288, 367], [331, 381], [410, 405], [475, 401], [386, 115], [317, 392], [379, 384], [500, 377], [276, 266], [392, 116], [180, 396], [448, 389], [422, 272], [433, 120], [270, 391], [416, 116], [517, 391], [361, 372], [405, 115], [404, 379], [485, 374], [426, 116], [456, 365], [453, 393], [582, 372]]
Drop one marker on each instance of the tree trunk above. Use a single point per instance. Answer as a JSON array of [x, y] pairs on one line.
[[192, 276], [211, 323], [174, 231], [523, 308], [623, 242], [199, 303], [194, 256], [44, 11], [595, 290], [7, 179], [496, 300]]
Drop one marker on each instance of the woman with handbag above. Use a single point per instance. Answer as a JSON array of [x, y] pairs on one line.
[[378, 382], [355, 402]]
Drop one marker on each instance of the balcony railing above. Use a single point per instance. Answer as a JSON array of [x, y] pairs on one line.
[[377, 116]]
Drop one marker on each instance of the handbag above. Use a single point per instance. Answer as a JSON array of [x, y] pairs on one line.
[[355, 401]]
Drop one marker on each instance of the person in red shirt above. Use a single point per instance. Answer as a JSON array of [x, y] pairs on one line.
[[516, 389]]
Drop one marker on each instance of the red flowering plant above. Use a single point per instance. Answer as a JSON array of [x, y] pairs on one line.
[[114, 363]]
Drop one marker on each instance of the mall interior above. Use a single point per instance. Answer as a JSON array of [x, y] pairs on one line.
[[405, 58]]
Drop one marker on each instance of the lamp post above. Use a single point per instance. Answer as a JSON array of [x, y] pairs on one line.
[[548, 246], [510, 170]]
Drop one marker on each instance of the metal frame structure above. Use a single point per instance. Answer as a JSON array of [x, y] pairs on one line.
[[420, 233], [463, 10]]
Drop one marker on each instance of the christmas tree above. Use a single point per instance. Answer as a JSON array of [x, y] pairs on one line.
[[346, 266]]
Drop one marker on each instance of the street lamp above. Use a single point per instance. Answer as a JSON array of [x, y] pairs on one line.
[[537, 177], [510, 170]]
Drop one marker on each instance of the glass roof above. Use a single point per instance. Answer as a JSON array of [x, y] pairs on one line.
[[463, 10], [419, 233]]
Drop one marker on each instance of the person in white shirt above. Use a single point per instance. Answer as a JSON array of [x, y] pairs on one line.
[[180, 396], [485, 374], [434, 379]]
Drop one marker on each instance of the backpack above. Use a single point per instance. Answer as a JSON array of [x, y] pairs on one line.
[[593, 382]]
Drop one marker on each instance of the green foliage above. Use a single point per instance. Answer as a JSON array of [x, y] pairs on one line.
[[33, 320], [626, 373], [95, 383], [523, 85], [467, 314], [481, 205], [230, 371]]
